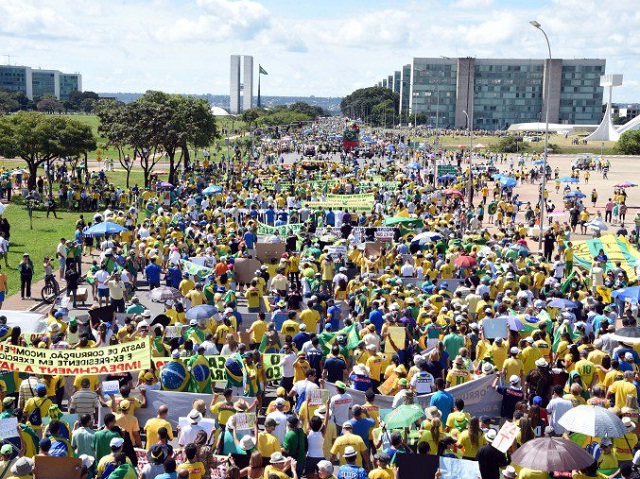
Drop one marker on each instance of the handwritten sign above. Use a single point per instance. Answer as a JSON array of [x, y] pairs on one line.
[[506, 436], [110, 387], [245, 421], [318, 397], [8, 427]]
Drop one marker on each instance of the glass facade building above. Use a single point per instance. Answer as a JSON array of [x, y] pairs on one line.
[[497, 93], [35, 82]]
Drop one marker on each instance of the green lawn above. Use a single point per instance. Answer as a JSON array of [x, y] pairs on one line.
[[38, 242]]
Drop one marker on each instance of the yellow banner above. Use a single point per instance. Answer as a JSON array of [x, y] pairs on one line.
[[118, 358]]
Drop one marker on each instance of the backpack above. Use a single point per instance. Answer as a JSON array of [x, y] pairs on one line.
[[35, 417], [594, 449]]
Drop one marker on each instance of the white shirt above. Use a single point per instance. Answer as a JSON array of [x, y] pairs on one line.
[[407, 270], [423, 382], [101, 277], [341, 405], [287, 365], [398, 399], [188, 434], [556, 409], [281, 421]]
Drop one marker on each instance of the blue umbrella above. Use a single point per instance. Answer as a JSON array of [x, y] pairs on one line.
[[447, 177], [390, 147], [538, 162], [212, 190], [414, 166], [204, 311], [561, 303], [632, 293], [508, 182], [575, 194], [497, 176], [105, 228], [568, 179]]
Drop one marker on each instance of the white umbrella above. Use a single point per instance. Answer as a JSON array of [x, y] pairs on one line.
[[594, 421], [486, 251], [2, 208], [597, 224]]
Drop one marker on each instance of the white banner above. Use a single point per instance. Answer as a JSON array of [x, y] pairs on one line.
[[480, 399]]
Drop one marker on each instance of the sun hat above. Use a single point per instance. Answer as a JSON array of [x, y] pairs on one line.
[[541, 363], [432, 412], [87, 461], [487, 368], [325, 466], [321, 412], [509, 472], [606, 442], [247, 443], [490, 435], [277, 458], [349, 451], [628, 423], [22, 467], [195, 416]]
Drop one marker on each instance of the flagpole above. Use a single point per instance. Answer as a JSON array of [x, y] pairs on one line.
[[259, 76]]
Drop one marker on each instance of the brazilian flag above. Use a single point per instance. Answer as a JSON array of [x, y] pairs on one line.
[[234, 371], [327, 338], [200, 374], [174, 376], [194, 334]]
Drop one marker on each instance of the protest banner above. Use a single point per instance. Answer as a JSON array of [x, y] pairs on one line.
[[480, 399], [507, 434], [385, 234], [337, 251], [495, 328], [267, 252], [283, 230], [387, 386], [180, 404], [117, 358], [8, 427], [49, 467]]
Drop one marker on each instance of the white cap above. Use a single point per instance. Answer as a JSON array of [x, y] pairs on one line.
[[175, 353], [514, 350], [529, 339], [349, 451], [142, 324], [514, 379]]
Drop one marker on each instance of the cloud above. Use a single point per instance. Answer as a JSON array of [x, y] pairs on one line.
[[386, 28], [25, 20], [239, 18]]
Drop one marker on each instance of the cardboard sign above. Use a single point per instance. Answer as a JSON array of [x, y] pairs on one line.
[[267, 252], [495, 328], [385, 234], [56, 467], [506, 436], [398, 335], [373, 249], [110, 387], [8, 427], [337, 251], [245, 269], [388, 385], [318, 397], [245, 421]]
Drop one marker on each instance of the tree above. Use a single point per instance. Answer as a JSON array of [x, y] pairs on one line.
[[510, 144], [8, 103], [114, 129], [629, 143], [360, 103], [39, 138], [49, 104]]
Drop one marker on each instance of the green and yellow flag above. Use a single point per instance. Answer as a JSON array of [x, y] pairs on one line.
[[262, 70]]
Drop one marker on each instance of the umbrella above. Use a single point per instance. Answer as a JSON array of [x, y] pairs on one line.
[[165, 293], [594, 421], [631, 293], [479, 145], [538, 162], [561, 303], [164, 185], [328, 238], [626, 184], [575, 194], [569, 179], [465, 261], [597, 223], [104, 228], [162, 319], [18, 172], [405, 221], [427, 237], [452, 192], [630, 334], [486, 251], [203, 311], [404, 416], [513, 322], [497, 176], [212, 190], [2, 208], [414, 166], [552, 454], [508, 182], [447, 177]]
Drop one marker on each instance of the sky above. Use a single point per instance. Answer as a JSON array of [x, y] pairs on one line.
[[308, 47]]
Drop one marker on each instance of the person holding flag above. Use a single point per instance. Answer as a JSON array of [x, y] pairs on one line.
[[200, 373]]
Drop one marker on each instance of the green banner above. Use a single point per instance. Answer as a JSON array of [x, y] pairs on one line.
[[283, 230]]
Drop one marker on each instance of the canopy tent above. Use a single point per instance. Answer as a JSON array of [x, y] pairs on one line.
[[404, 221], [616, 249]]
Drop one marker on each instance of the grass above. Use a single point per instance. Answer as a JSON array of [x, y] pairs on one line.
[[38, 242]]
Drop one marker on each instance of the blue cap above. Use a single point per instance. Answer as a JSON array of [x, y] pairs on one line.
[[40, 388], [58, 314]]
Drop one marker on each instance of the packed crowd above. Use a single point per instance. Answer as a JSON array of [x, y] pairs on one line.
[[371, 308]]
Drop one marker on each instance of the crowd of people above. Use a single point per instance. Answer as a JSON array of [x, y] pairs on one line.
[[384, 301]]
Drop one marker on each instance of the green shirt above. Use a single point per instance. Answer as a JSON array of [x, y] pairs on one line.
[[294, 444]]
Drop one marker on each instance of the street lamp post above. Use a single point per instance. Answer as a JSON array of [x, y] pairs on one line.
[[470, 151], [535, 24]]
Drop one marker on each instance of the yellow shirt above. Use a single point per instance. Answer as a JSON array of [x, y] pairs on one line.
[[258, 329], [268, 444], [470, 450], [151, 430], [196, 469], [455, 377], [622, 389], [513, 366], [352, 440], [311, 318]]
